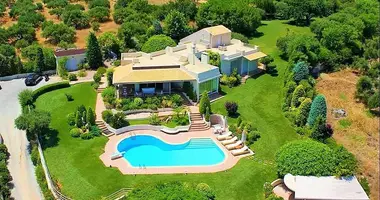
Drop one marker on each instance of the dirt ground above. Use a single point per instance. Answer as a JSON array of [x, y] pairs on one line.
[[359, 131]]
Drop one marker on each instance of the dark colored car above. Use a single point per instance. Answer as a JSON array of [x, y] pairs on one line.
[[33, 79]]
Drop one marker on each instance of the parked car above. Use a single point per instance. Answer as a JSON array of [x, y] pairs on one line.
[[33, 79]]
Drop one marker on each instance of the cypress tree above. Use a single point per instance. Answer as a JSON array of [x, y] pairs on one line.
[[93, 53], [40, 65], [90, 117], [204, 103], [297, 93], [303, 112], [78, 120], [84, 118], [301, 71], [318, 108]]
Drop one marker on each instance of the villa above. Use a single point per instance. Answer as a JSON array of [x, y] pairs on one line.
[[166, 70]]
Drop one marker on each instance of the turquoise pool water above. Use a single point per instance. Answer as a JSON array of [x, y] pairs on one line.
[[149, 151]]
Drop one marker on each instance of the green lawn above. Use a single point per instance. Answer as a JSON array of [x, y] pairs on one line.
[[76, 165]]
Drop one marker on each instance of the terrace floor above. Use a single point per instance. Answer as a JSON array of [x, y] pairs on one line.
[[126, 168]]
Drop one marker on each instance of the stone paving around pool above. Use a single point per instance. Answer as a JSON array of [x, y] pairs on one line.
[[125, 168]]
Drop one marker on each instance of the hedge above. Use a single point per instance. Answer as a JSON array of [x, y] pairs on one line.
[[47, 88]]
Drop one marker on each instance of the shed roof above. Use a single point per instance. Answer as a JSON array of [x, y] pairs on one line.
[[255, 56], [126, 74], [69, 52], [217, 30], [328, 188]]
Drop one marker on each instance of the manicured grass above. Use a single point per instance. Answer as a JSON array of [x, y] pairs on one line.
[[76, 165]]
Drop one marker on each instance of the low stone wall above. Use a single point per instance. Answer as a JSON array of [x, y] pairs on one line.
[[128, 112], [17, 76]]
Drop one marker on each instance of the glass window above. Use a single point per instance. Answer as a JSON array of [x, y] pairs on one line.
[[209, 86]]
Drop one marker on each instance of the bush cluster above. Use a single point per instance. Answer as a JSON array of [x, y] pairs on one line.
[[116, 121], [157, 43], [232, 80], [83, 122], [72, 77], [252, 134], [231, 108], [154, 102]]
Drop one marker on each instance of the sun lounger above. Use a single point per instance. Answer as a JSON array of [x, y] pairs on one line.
[[230, 141], [234, 145], [237, 152], [224, 136]]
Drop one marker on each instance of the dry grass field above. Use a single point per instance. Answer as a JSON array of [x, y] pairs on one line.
[[359, 131]]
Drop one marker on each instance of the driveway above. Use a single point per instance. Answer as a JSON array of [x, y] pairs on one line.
[[25, 186]]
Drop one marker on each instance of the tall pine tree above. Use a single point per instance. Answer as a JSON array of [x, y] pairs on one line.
[[93, 53], [40, 61]]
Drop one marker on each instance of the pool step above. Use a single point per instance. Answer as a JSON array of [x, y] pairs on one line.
[[201, 143]]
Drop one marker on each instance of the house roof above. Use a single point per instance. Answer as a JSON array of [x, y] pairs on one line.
[[217, 30], [69, 52], [126, 74], [327, 188], [255, 56]]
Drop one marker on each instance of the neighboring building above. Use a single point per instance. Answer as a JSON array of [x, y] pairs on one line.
[[325, 188], [76, 56], [234, 54], [166, 70]]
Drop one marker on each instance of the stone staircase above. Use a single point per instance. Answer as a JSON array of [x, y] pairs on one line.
[[103, 128], [197, 123], [100, 90]]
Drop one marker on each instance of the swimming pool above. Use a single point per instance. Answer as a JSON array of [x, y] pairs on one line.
[[149, 151]]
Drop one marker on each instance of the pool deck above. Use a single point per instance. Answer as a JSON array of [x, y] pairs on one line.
[[125, 168]]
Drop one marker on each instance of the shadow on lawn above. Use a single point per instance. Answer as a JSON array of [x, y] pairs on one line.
[[50, 139]]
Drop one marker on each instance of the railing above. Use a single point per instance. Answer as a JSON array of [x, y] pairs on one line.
[[57, 194], [118, 194]]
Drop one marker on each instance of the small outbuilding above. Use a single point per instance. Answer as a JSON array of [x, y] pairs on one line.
[[325, 188], [75, 57]]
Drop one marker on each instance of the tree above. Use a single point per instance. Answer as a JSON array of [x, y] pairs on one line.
[[132, 34], [99, 14], [30, 53], [21, 31], [176, 25], [303, 11], [109, 75], [214, 58], [268, 6], [321, 131], [303, 112], [99, 3], [238, 15], [25, 98], [301, 71], [282, 10], [56, 33], [93, 53], [371, 49], [204, 103], [231, 107], [374, 101], [90, 117], [297, 94], [157, 42], [62, 71], [318, 109], [108, 42], [40, 64], [9, 62], [35, 122], [76, 18]]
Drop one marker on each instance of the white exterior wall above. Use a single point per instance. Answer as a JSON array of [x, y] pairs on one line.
[[220, 40], [201, 36]]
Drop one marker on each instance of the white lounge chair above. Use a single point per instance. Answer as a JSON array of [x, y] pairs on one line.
[[224, 136], [234, 145], [237, 152], [230, 141]]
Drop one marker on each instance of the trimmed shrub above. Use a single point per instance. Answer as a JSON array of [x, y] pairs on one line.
[[107, 116], [47, 88], [204, 103], [240, 37], [116, 63], [297, 94], [207, 115], [118, 120], [95, 131], [71, 119], [72, 77], [90, 117], [365, 185], [206, 190], [34, 155], [346, 163], [75, 132], [231, 107], [82, 73], [101, 70], [154, 119], [157, 43], [374, 101], [138, 101], [303, 112], [69, 97], [25, 97], [318, 108], [252, 137], [305, 158], [78, 120], [97, 77], [301, 71], [86, 136], [109, 75]]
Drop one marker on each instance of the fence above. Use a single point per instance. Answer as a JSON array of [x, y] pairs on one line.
[[17, 76], [50, 182]]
